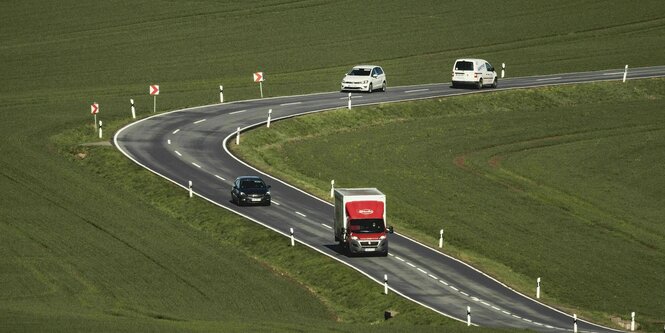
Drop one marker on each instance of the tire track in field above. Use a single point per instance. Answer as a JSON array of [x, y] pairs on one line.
[[577, 206]]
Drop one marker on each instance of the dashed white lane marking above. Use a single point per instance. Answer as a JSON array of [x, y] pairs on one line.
[[615, 73], [236, 112], [485, 303], [537, 323], [516, 316], [475, 299], [292, 103], [432, 276], [351, 97], [495, 308], [548, 326], [325, 225], [453, 288], [527, 320], [220, 177], [410, 264], [549, 78], [275, 202], [390, 254], [444, 282], [301, 214], [463, 293], [168, 141], [422, 270], [199, 121], [196, 165], [505, 312], [176, 131], [416, 90], [398, 258], [178, 153]]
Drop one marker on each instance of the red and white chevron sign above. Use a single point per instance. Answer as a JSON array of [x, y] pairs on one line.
[[154, 89], [94, 108], [258, 77]]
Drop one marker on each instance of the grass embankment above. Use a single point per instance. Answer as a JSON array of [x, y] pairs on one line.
[[84, 250], [564, 183]]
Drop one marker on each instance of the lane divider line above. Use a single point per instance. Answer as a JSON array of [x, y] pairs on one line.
[[301, 214], [325, 225], [199, 121], [220, 177], [178, 153], [422, 270], [176, 131], [549, 78], [236, 112], [292, 103], [444, 282], [432, 276], [415, 90], [410, 264], [196, 165], [275, 202]]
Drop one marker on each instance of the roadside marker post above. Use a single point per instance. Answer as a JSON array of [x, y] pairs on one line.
[[238, 136], [258, 77], [269, 115], [221, 94], [349, 104], [332, 188], [441, 238], [100, 129], [468, 316], [131, 101], [293, 240], [625, 73], [191, 193], [575, 323], [94, 109], [503, 69], [154, 91], [632, 321], [385, 284], [538, 288]]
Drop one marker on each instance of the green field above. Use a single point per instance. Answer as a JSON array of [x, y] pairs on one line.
[[90, 242]]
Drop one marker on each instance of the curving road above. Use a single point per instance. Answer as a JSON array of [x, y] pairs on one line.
[[190, 145]]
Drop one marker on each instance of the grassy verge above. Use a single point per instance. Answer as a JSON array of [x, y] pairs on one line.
[[563, 183]]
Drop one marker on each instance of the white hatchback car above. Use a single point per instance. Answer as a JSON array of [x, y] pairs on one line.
[[365, 78], [475, 72]]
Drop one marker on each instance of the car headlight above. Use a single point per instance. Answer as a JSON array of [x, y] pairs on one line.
[[354, 237], [242, 194], [366, 81], [268, 193], [382, 237]]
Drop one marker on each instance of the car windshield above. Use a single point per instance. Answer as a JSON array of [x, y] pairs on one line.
[[252, 183], [464, 66], [360, 72], [366, 226]]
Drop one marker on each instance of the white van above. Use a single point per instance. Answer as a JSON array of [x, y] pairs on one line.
[[474, 72]]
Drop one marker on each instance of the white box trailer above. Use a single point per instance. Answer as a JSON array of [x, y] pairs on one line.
[[359, 223]]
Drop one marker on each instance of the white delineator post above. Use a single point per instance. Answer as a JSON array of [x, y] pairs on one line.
[[441, 238], [100, 129], [293, 240], [468, 316], [503, 70], [632, 321], [238, 136], [131, 101], [625, 73], [332, 188], [538, 288], [269, 116], [221, 94], [191, 193], [575, 323], [385, 284], [349, 105]]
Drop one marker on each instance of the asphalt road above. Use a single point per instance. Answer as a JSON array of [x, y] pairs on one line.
[[189, 145]]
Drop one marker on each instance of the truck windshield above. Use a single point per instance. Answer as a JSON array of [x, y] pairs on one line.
[[367, 226]]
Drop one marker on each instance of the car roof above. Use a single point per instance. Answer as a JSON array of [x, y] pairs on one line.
[[471, 60], [365, 66], [249, 178]]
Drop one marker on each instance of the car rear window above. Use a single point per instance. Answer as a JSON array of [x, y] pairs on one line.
[[464, 66]]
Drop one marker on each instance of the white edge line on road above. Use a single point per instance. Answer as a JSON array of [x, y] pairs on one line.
[[415, 90], [301, 214], [292, 103], [176, 131], [236, 112], [178, 153], [378, 281], [199, 121], [352, 97], [218, 176], [615, 73], [549, 78]]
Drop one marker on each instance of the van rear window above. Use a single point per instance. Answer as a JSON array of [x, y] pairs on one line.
[[464, 66]]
